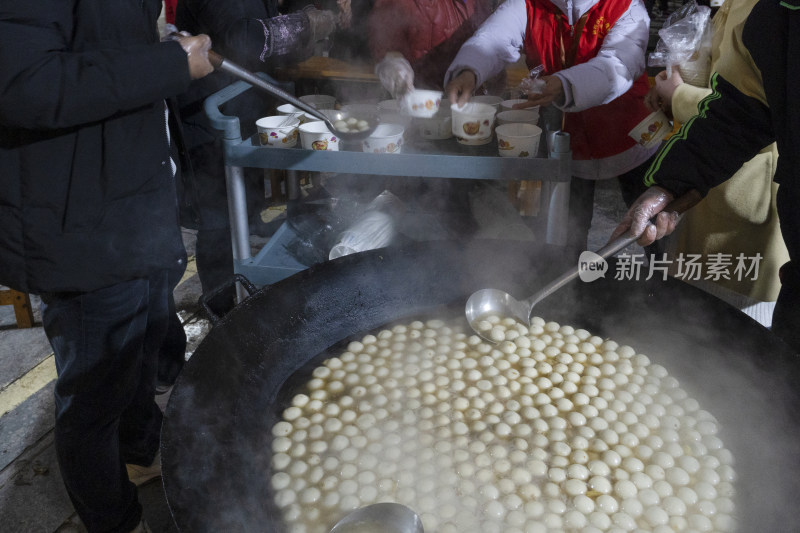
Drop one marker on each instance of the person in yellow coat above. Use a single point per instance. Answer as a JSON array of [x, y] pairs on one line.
[[738, 216]]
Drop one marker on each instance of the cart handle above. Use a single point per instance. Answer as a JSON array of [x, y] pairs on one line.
[[228, 124]]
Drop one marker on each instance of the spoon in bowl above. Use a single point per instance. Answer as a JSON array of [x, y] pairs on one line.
[[220, 63]]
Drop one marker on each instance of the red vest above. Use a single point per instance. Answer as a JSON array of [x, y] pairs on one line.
[[600, 131]]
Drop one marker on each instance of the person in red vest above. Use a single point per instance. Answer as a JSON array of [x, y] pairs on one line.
[[593, 54], [414, 41]]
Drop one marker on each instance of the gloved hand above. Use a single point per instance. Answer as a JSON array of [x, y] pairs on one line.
[[345, 13], [320, 23], [637, 220], [196, 48], [395, 74]]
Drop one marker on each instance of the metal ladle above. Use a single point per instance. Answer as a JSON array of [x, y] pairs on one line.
[[220, 63], [488, 302], [384, 517]]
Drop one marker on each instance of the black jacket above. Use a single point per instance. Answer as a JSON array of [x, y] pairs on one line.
[[87, 194]]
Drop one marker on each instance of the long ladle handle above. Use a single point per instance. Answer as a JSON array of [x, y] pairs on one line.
[[679, 205], [220, 63]]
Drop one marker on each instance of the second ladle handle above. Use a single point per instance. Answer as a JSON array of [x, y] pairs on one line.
[[680, 206]]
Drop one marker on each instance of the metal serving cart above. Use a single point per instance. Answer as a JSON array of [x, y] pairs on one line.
[[427, 159]]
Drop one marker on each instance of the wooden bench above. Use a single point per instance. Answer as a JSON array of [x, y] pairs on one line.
[[22, 306]]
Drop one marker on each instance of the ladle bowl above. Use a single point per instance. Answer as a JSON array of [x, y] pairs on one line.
[[494, 302], [384, 517]]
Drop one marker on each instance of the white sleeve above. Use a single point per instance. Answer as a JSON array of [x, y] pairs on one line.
[[620, 61], [494, 45]]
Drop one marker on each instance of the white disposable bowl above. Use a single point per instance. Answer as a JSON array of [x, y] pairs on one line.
[[388, 106], [518, 116], [278, 131], [386, 139], [357, 110], [652, 130], [397, 118], [518, 140], [316, 136], [487, 99], [473, 122], [320, 101], [507, 105], [289, 109], [421, 103]]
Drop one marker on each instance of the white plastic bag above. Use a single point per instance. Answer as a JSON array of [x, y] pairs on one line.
[[532, 84], [375, 228], [682, 36]]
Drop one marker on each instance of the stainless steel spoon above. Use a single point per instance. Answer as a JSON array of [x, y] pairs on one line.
[[488, 302], [220, 63], [380, 518]]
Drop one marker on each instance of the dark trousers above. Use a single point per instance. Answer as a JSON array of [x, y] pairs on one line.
[[172, 355], [581, 204], [106, 345], [786, 317]]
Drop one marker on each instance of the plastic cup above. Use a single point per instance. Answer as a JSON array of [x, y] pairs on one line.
[[320, 101], [518, 140], [472, 123], [386, 139], [652, 130], [278, 131], [316, 136], [520, 116]]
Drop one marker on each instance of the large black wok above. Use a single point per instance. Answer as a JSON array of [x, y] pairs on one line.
[[216, 435]]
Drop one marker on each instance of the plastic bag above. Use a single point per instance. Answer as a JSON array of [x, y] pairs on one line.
[[532, 84], [375, 228], [681, 36]]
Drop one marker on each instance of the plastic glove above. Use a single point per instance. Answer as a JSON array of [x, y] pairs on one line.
[[395, 74], [320, 23], [637, 220], [553, 91], [196, 48], [460, 88], [169, 30]]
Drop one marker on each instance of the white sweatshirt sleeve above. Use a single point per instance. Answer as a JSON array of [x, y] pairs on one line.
[[495, 44]]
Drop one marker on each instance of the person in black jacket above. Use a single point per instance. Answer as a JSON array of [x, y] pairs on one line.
[[88, 220], [254, 35], [729, 130]]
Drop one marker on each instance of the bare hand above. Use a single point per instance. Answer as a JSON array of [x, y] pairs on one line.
[[637, 220], [196, 48], [652, 101], [460, 88]]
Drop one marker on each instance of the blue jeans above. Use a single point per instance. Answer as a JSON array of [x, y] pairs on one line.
[[106, 345]]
